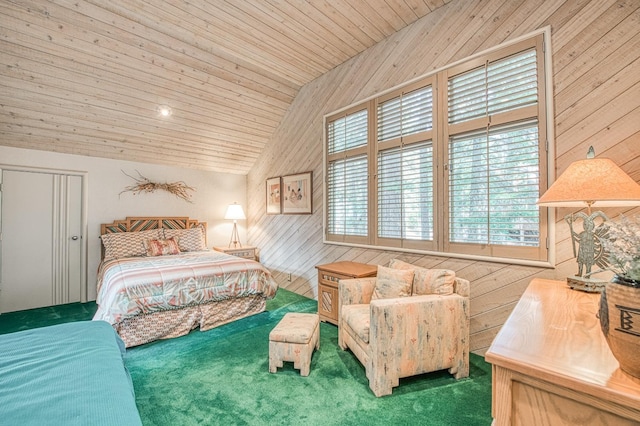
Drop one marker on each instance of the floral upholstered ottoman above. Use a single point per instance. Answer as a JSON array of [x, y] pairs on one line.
[[293, 340]]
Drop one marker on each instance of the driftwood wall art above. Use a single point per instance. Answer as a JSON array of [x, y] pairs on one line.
[[143, 184]]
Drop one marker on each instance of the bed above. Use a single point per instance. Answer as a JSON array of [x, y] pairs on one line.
[[68, 374], [158, 280]]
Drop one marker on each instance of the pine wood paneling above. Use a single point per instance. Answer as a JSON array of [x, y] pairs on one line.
[[85, 77], [596, 56]]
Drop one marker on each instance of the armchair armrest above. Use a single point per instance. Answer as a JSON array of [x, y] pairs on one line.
[[461, 286], [355, 291]]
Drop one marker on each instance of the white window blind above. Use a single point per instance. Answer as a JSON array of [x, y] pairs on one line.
[[406, 114], [494, 185], [347, 132], [405, 192], [498, 86], [347, 199]]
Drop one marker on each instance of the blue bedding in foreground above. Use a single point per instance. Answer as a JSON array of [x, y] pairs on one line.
[[68, 374]]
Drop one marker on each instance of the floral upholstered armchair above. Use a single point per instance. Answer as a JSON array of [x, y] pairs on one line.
[[406, 321]]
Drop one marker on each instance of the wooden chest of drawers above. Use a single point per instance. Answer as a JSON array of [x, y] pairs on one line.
[[552, 365], [328, 277]]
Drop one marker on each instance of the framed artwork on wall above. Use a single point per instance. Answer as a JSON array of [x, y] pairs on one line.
[[274, 198], [297, 193]]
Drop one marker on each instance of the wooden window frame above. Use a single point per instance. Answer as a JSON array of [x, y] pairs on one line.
[[379, 146], [440, 133]]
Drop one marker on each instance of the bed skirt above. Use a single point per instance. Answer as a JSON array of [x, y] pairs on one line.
[[178, 322]]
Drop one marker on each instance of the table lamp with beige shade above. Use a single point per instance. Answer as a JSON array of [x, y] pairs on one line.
[[593, 182], [235, 213]]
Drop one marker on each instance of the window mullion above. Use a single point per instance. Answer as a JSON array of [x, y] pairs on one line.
[[373, 174], [441, 154], [402, 202]]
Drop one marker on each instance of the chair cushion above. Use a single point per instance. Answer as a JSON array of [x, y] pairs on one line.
[[358, 319], [427, 281], [391, 283]]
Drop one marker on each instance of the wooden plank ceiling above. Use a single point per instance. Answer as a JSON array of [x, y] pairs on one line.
[[87, 77]]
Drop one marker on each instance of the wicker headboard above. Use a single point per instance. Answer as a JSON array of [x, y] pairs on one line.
[[137, 224]]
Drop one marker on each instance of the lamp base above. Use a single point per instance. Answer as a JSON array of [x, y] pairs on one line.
[[235, 238], [589, 285]]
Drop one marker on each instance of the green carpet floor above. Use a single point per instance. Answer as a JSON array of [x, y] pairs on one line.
[[221, 377]]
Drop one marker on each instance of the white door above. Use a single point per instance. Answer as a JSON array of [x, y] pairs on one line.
[[41, 244]]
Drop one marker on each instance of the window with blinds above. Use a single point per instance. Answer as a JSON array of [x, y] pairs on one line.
[[347, 132], [453, 170], [495, 156], [499, 86], [404, 165], [493, 187], [405, 192], [347, 180], [347, 199], [406, 114]]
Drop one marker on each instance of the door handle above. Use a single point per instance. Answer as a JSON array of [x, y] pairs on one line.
[[75, 237]]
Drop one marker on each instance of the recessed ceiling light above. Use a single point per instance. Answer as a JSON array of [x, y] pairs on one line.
[[164, 110]]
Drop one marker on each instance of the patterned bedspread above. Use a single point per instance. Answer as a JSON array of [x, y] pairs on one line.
[[138, 285]]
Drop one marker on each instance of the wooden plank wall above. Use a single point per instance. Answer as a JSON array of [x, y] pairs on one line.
[[596, 72]]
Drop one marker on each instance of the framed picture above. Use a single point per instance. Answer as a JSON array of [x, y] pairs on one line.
[[274, 198], [297, 193]]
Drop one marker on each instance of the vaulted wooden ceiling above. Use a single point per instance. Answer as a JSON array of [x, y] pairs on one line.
[[87, 76]]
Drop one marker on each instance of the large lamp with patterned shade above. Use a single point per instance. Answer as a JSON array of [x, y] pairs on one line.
[[593, 182]]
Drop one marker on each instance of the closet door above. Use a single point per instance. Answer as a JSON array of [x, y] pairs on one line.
[[67, 239], [40, 257]]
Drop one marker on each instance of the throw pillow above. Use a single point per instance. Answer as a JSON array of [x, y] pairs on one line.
[[428, 281], [391, 283], [162, 247]]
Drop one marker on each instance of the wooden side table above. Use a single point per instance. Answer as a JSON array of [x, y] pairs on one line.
[[328, 277], [246, 252], [552, 365]]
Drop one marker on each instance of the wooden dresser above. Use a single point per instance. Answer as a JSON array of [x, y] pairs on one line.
[[552, 365], [328, 277]]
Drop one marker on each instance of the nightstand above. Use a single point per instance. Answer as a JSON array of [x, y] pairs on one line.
[[328, 277], [246, 252]]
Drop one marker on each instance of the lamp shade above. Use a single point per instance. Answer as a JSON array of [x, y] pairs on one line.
[[595, 182], [234, 212]]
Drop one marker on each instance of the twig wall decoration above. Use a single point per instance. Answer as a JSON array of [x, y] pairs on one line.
[[143, 184]]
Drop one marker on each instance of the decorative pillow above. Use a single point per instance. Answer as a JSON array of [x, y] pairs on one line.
[[162, 247], [391, 283], [428, 281], [127, 244], [188, 239]]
